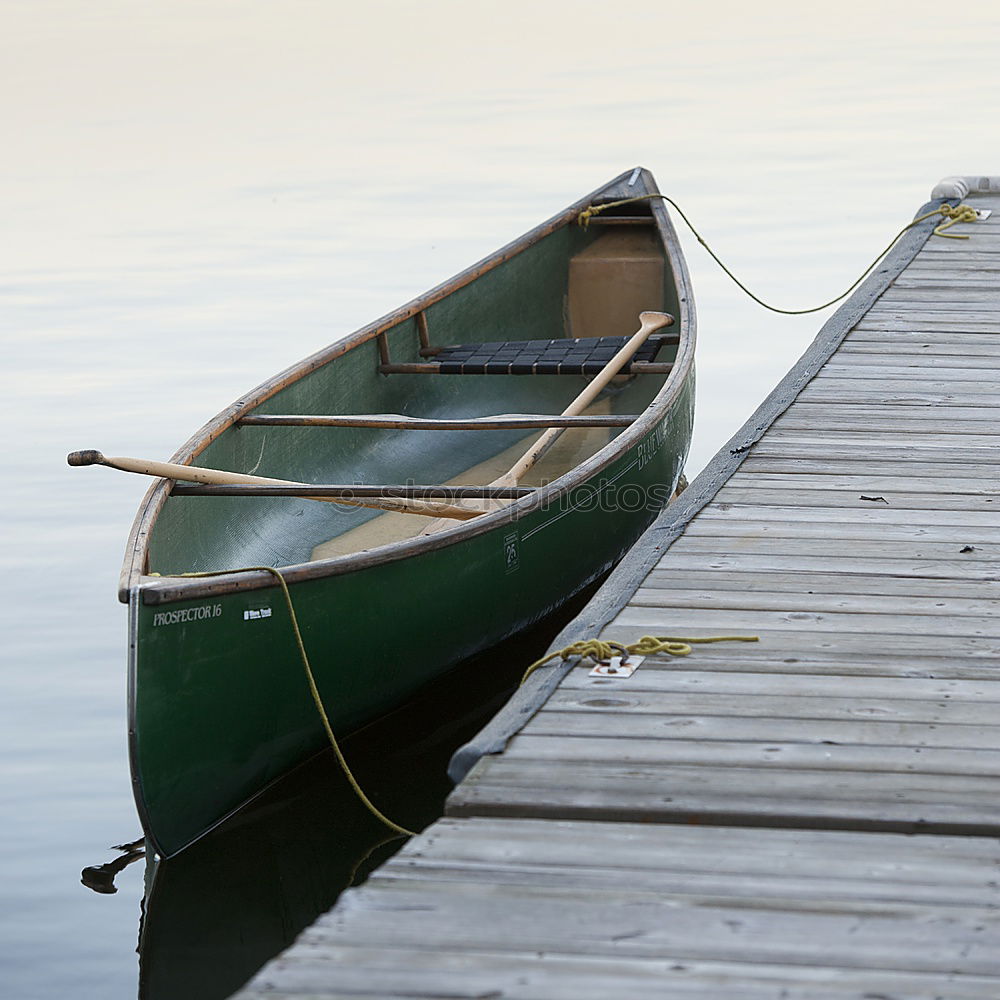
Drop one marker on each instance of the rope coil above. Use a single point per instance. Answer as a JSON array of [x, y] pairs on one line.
[[953, 215]]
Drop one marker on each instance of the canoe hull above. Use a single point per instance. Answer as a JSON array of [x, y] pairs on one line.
[[225, 706], [219, 706]]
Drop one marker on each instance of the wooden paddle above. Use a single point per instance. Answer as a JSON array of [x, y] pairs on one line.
[[217, 477], [649, 322]]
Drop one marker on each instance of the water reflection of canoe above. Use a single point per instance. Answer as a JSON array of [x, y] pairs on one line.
[[218, 704]]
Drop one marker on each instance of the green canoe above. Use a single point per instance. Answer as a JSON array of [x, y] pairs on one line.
[[218, 702]]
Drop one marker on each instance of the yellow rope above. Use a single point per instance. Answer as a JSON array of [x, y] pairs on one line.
[[648, 645], [317, 698], [960, 213]]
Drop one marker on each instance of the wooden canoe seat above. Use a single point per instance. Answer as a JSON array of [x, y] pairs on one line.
[[583, 356]]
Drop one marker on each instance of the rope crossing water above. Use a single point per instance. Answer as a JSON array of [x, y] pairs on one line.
[[953, 215], [602, 650]]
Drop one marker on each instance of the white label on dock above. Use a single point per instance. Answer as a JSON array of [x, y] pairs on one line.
[[615, 668]]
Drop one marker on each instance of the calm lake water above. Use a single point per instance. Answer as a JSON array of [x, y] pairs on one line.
[[196, 195]]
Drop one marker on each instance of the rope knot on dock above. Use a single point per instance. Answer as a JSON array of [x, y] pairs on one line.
[[954, 215], [601, 650]]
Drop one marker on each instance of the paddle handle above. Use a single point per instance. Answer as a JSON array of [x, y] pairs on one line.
[[649, 322], [219, 477]]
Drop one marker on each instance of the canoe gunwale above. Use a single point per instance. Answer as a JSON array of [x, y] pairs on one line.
[[156, 590]]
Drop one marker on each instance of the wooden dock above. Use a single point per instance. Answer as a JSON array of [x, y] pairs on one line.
[[815, 815]]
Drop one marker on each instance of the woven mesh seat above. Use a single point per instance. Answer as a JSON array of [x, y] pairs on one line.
[[587, 356]]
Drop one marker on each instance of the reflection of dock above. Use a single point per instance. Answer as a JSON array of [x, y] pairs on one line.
[[812, 816]]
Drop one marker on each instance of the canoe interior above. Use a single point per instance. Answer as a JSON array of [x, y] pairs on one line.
[[524, 298]]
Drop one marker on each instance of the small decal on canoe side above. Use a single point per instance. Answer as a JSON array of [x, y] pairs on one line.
[[253, 613], [187, 615], [511, 551]]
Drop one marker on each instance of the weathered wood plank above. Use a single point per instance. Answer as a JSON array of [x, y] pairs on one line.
[[677, 591], [862, 466], [768, 754], [778, 729], [923, 369], [670, 675], [390, 973], [861, 531], [911, 332], [802, 497], [877, 436], [589, 925], [919, 344], [912, 382], [866, 438], [958, 251], [950, 315], [845, 416], [925, 295], [793, 663], [832, 582], [870, 867], [945, 320], [969, 300], [637, 793], [946, 454], [769, 562], [974, 265], [863, 484], [836, 391], [871, 634], [623, 700], [952, 358], [873, 514], [954, 282], [409, 973]]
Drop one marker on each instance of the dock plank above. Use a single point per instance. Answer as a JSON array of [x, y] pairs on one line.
[[872, 514], [861, 465], [743, 796], [667, 674], [683, 593], [657, 617], [958, 420], [803, 497], [899, 368], [820, 585], [964, 358], [899, 391], [863, 484], [649, 733]]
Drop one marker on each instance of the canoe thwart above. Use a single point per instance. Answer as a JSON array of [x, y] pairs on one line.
[[621, 220], [564, 356], [334, 492], [398, 421]]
